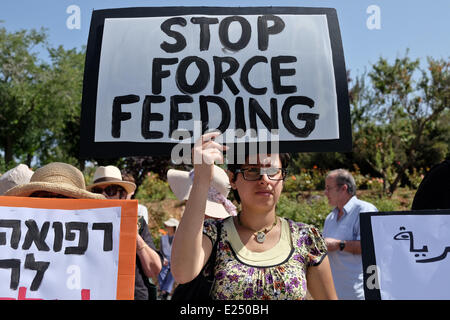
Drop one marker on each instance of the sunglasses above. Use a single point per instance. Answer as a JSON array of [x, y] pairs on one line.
[[47, 194], [110, 190], [254, 174]]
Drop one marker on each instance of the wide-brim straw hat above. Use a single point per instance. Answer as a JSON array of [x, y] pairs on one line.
[[181, 184], [109, 175], [57, 177], [14, 177]]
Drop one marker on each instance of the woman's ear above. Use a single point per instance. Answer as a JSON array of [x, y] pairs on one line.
[[231, 178]]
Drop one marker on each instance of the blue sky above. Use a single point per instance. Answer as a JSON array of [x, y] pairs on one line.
[[422, 26]]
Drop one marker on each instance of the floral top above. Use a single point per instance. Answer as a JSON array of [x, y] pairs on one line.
[[238, 280]]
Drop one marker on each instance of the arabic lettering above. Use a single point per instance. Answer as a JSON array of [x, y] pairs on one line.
[[408, 235]]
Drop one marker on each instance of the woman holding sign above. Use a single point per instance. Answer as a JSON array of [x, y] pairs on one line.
[[259, 255]]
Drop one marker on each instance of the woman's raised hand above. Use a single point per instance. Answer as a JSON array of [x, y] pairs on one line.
[[206, 152]]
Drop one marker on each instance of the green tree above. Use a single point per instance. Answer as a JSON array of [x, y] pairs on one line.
[[396, 117], [65, 89], [39, 101], [22, 79]]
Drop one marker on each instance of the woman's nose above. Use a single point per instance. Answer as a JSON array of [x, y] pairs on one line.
[[264, 179]]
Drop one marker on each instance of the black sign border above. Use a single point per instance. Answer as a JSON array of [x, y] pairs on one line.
[[367, 245], [91, 149]]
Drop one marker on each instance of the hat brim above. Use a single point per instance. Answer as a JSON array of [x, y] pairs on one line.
[[179, 183], [128, 186], [216, 210], [26, 190], [170, 224]]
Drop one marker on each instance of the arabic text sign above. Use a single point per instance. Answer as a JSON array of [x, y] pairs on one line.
[[411, 251], [66, 249], [155, 71]]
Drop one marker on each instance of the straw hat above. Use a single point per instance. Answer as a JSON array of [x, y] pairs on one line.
[[56, 177], [105, 176], [172, 222], [14, 177], [181, 184]]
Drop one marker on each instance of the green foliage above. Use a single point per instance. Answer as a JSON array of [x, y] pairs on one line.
[[154, 189], [415, 177], [313, 179], [158, 215], [395, 114], [311, 212], [40, 102]]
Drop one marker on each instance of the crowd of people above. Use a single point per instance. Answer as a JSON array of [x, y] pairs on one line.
[[260, 255]]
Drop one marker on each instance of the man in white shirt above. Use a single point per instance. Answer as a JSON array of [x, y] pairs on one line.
[[342, 234]]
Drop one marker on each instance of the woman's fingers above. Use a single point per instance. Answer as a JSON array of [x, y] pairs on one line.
[[207, 150], [210, 136]]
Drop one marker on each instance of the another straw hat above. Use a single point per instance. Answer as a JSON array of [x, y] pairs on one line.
[[172, 222], [181, 185], [109, 175], [56, 177], [14, 177]]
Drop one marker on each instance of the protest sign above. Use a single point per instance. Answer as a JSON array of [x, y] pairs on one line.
[[406, 254], [157, 77], [67, 249]]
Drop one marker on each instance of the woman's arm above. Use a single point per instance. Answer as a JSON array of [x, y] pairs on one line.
[[320, 281], [190, 248]]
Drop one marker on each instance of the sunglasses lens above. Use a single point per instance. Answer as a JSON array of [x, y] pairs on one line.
[[97, 190], [252, 174], [110, 191]]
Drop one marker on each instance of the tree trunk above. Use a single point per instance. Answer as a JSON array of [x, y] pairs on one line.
[[8, 150]]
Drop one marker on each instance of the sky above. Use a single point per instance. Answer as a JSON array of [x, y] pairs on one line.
[[421, 26]]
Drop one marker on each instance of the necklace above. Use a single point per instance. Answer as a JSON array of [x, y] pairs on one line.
[[261, 234]]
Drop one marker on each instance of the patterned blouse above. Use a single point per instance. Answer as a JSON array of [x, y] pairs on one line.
[[238, 280]]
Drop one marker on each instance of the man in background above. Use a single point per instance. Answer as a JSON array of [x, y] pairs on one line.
[[342, 234]]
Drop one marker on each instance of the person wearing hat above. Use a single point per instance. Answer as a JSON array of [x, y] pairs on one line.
[[142, 210], [217, 204], [14, 177], [55, 180], [108, 182], [165, 277], [259, 254]]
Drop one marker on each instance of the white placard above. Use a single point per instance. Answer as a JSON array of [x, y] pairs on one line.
[[131, 45], [59, 254], [412, 255]]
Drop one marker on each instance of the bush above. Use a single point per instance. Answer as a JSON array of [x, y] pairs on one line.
[[311, 211], [306, 180], [415, 177], [154, 189]]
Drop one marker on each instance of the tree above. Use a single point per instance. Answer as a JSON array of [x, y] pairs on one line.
[[22, 78], [39, 101], [65, 93], [396, 118]]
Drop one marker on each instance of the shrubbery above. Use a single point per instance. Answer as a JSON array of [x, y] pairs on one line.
[[302, 199], [154, 189]]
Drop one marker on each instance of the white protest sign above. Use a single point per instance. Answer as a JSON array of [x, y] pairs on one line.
[[411, 253], [63, 254], [228, 69]]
